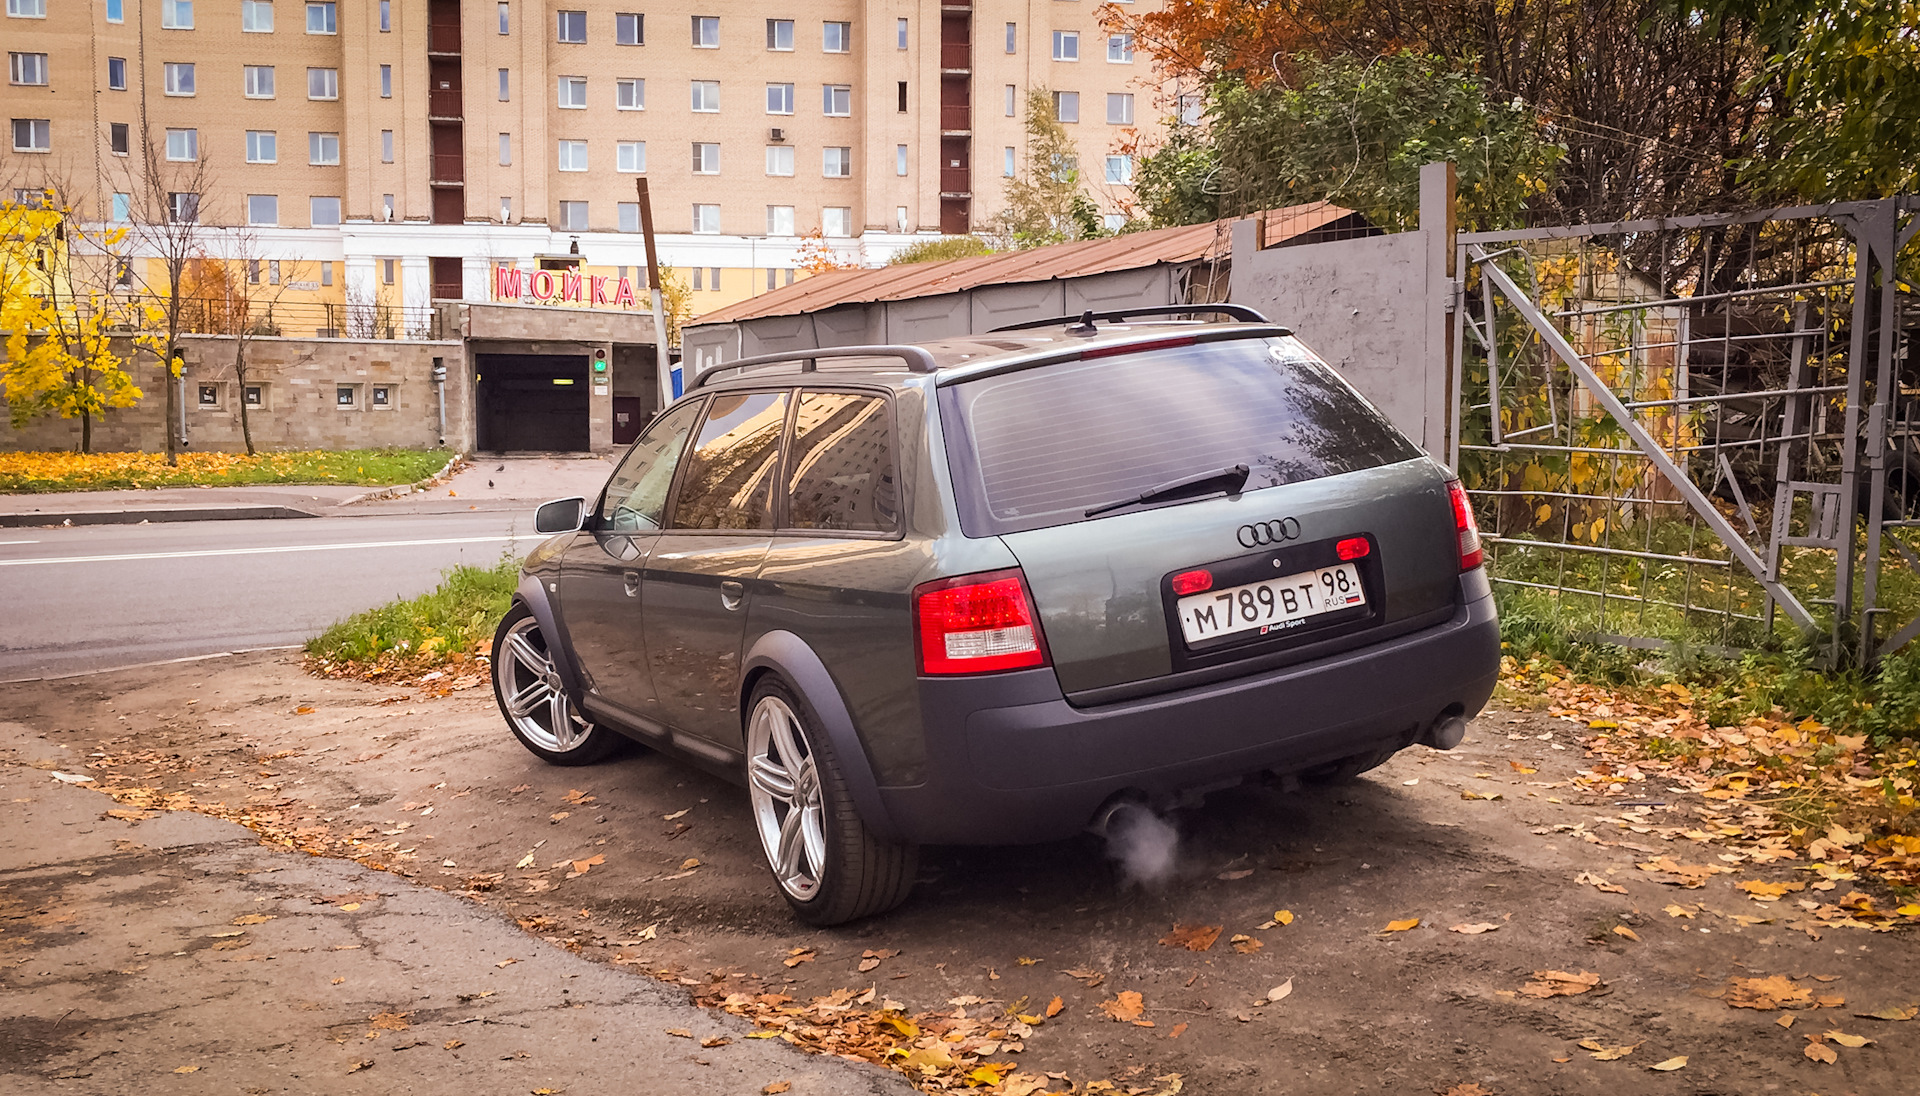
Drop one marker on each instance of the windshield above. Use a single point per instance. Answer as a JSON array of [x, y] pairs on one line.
[[1039, 447]]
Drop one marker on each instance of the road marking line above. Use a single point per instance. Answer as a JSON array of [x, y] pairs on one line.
[[266, 551], [19, 542]]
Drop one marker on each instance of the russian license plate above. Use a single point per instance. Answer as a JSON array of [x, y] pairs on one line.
[[1273, 605]]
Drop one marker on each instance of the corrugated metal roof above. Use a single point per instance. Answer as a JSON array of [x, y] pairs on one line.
[[1038, 264]]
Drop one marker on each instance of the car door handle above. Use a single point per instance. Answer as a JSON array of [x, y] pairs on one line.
[[631, 580], [732, 593]]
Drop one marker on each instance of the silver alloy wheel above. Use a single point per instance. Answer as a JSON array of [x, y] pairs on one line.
[[788, 808], [534, 699]]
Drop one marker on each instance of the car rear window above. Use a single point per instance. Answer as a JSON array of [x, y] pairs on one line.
[[1040, 447]]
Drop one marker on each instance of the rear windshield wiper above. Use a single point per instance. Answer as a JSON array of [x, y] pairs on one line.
[[1230, 480]]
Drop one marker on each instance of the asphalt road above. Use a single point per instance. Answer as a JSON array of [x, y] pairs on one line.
[[89, 598]]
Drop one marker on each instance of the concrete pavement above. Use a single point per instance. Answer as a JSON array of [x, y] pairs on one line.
[[177, 955]]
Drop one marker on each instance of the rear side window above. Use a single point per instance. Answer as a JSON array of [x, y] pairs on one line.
[[840, 475], [1040, 447], [728, 482], [636, 496]]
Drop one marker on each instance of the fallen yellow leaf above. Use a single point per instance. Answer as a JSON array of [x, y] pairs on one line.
[[1125, 1007], [1622, 930], [1676, 1062], [1845, 1040], [1284, 917], [776, 1088], [1402, 926]]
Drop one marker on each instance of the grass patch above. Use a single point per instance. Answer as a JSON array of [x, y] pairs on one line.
[[37, 473], [450, 627]]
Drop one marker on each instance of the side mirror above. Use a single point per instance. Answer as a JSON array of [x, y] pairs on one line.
[[559, 516]]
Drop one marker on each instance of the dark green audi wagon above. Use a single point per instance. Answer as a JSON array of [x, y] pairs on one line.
[[990, 590]]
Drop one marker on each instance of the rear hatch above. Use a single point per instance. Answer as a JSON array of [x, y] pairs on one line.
[[1341, 535]]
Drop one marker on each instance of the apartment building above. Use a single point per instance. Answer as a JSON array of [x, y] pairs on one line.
[[412, 150]]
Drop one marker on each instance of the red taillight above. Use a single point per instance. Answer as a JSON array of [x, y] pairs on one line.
[[1137, 347], [1192, 582], [1353, 548], [1471, 555], [977, 624]]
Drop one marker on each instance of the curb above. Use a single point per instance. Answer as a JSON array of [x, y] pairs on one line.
[[136, 517], [400, 489]]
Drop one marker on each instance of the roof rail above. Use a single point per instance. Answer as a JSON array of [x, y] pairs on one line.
[[1237, 311], [917, 359]]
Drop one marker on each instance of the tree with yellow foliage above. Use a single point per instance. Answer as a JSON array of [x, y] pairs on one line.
[[68, 341]]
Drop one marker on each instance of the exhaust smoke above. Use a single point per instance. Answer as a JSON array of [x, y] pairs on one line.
[[1142, 843]]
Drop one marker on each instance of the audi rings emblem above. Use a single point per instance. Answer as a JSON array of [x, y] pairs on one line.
[[1278, 531]]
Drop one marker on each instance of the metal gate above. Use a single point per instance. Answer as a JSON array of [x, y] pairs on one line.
[[1698, 429]]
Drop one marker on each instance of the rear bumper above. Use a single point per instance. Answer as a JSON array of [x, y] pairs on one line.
[[1015, 763]]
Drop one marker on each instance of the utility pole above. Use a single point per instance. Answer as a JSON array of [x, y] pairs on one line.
[[667, 391]]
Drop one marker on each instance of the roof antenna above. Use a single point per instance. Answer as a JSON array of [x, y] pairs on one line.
[[1085, 326]]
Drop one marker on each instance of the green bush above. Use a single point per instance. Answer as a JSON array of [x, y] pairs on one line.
[[940, 250], [452, 623]]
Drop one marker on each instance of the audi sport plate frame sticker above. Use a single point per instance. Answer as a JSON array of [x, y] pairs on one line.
[[1271, 605]]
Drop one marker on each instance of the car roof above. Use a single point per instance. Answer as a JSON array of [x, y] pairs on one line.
[[973, 355]]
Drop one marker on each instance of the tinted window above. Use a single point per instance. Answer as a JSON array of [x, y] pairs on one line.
[[636, 497], [841, 473], [728, 483], [1049, 443]]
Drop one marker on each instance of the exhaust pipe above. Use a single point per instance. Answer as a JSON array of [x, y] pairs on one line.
[[1446, 732], [1118, 813]]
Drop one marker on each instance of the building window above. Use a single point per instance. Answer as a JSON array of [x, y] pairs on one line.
[[116, 11], [1066, 45], [273, 271], [1190, 108], [1120, 49], [380, 397], [900, 217], [506, 209], [630, 94], [836, 221], [27, 9], [706, 219], [344, 395], [631, 156], [116, 74], [503, 93], [836, 100], [262, 147], [506, 21], [706, 32], [699, 277], [900, 160], [1119, 108], [1013, 100], [1013, 37], [706, 96], [572, 26], [31, 69], [323, 149], [386, 211], [779, 221], [900, 91], [573, 156], [386, 271], [322, 212], [183, 207], [183, 145], [837, 37], [386, 16], [779, 34], [326, 273], [174, 14], [900, 33], [706, 158], [1120, 170], [259, 81], [209, 394], [34, 134], [323, 83], [320, 19], [628, 216], [1066, 106], [629, 29], [254, 395], [386, 146], [779, 98], [779, 160], [263, 209], [1006, 162], [573, 93], [179, 78], [386, 81], [506, 150], [256, 16], [573, 216], [836, 163], [119, 138]]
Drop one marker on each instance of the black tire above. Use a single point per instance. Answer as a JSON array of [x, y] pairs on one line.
[[1347, 769], [857, 874], [551, 728]]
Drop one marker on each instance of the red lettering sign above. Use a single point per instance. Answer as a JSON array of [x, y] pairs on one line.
[[570, 286], [624, 295], [506, 283], [599, 288], [543, 285]]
